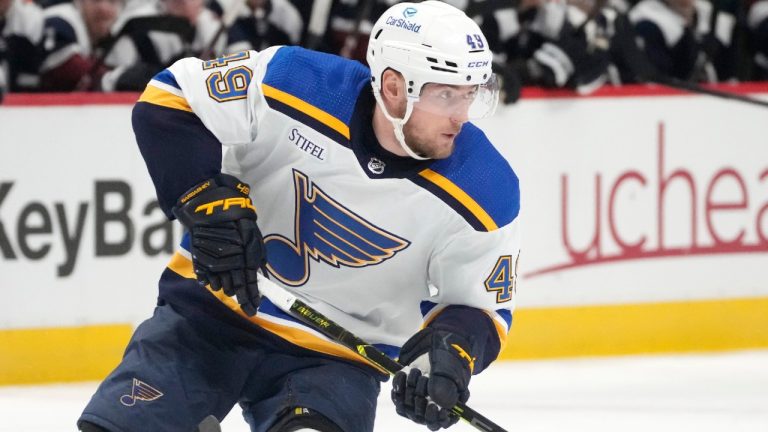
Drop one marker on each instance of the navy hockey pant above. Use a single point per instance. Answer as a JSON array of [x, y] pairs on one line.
[[175, 372]]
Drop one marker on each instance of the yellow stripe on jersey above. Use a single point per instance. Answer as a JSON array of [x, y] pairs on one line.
[[461, 196], [183, 267], [310, 110], [158, 96]]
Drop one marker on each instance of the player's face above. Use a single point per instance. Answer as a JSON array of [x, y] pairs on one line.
[[437, 119], [99, 15]]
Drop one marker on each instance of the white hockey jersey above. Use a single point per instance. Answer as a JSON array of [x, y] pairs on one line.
[[377, 243]]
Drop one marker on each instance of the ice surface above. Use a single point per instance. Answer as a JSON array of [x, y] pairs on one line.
[[681, 393]]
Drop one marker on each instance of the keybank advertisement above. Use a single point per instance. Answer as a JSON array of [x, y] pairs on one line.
[[624, 200], [82, 240]]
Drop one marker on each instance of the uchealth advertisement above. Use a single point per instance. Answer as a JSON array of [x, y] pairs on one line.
[[639, 199], [644, 221]]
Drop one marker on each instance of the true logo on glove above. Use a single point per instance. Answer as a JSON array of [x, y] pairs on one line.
[[225, 204]]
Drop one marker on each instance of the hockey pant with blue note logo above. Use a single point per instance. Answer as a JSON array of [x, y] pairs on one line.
[[179, 369]]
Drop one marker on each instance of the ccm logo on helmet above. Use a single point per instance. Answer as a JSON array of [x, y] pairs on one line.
[[477, 64]]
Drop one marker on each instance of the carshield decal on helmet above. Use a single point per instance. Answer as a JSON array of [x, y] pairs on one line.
[[403, 24]]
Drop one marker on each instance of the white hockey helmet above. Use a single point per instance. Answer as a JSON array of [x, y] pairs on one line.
[[431, 42]]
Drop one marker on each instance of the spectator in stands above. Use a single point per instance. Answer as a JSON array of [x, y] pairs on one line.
[[501, 26], [169, 30], [757, 21], [21, 28], [607, 31], [545, 43], [71, 39], [686, 39], [350, 23], [265, 23], [45, 4]]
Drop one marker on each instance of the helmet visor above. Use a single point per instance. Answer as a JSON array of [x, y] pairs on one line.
[[460, 101]]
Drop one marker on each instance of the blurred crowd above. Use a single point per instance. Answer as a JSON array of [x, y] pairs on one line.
[[118, 45]]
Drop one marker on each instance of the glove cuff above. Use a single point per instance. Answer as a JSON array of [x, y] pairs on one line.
[[219, 199], [441, 345], [219, 180]]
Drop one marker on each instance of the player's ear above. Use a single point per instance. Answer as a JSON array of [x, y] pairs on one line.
[[391, 85], [393, 92]]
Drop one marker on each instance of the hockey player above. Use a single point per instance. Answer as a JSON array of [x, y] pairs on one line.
[[21, 27], [687, 39], [380, 205], [757, 21], [264, 23], [135, 58], [73, 31]]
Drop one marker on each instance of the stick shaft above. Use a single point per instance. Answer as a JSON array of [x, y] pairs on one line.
[[697, 88]]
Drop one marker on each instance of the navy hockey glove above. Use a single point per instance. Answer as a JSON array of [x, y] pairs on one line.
[[441, 367], [226, 244]]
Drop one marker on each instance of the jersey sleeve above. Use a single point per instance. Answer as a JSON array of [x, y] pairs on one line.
[[216, 91], [474, 276], [189, 111]]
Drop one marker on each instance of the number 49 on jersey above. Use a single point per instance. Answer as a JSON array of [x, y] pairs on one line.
[[503, 278]]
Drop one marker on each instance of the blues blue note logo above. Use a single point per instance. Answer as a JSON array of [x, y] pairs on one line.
[[140, 391], [329, 232]]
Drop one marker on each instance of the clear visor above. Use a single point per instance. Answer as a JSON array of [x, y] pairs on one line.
[[460, 102]]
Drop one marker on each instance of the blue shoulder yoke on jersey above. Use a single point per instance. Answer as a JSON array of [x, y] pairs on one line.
[[476, 181], [317, 89]]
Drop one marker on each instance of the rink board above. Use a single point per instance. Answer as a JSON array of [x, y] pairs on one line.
[[644, 214]]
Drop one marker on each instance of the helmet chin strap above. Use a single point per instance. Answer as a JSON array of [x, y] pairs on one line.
[[398, 124]]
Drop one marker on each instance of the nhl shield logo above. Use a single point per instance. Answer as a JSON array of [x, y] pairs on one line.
[[140, 391], [376, 166]]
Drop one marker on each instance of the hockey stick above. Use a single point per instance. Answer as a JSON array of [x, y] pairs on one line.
[[639, 64], [297, 308], [699, 89]]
